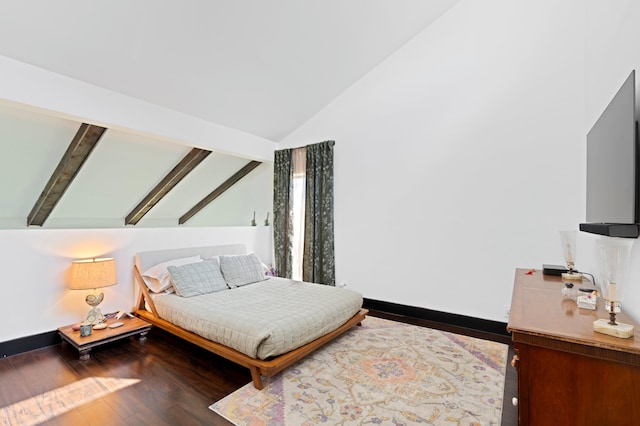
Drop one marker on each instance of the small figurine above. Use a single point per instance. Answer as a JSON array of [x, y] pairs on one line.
[[569, 292], [271, 271]]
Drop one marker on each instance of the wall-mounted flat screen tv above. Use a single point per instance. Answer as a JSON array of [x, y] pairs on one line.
[[612, 168]]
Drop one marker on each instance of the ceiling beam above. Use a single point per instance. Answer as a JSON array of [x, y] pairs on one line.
[[183, 168], [79, 149], [219, 190]]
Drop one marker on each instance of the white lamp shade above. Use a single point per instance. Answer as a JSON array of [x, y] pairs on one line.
[[92, 273]]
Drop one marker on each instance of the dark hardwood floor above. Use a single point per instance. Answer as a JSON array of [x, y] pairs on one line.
[[178, 381]]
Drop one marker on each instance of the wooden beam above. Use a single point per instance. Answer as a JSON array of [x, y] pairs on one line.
[[219, 190], [183, 168], [79, 149]]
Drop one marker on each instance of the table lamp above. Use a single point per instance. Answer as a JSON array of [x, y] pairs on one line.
[[92, 274], [614, 263]]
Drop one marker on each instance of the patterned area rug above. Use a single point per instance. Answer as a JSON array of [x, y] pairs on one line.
[[384, 372]]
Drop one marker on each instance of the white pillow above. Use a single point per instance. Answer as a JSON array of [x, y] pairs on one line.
[[158, 278]]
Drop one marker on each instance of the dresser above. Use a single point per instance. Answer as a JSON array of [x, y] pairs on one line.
[[567, 373]]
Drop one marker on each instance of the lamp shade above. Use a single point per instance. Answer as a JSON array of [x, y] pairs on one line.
[[92, 273]]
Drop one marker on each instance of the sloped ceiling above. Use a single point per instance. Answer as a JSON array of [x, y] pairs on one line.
[[121, 170], [259, 67]]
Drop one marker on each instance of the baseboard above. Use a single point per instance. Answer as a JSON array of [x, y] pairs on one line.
[[470, 325], [444, 320], [29, 343]]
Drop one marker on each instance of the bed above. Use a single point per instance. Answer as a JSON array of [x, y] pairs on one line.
[[220, 298]]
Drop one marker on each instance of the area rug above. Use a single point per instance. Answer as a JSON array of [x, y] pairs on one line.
[[383, 373]]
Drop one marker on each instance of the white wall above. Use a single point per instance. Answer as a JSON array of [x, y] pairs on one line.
[[461, 156], [36, 262]]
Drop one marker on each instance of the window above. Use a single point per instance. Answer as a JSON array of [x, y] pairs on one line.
[[298, 160]]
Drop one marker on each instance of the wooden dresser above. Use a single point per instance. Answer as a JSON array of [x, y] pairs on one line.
[[567, 373]]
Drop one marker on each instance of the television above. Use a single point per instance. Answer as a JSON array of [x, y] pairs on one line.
[[613, 204]]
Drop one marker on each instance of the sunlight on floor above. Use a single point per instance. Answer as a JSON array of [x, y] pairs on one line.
[[58, 401]]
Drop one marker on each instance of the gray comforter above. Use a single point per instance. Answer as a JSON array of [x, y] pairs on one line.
[[262, 319]]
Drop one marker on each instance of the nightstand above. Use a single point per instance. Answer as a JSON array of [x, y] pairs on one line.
[[130, 327]]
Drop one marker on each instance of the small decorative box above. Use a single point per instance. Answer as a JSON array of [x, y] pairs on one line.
[[588, 301]]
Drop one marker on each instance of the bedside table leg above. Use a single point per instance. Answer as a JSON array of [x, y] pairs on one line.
[[143, 336], [85, 355]]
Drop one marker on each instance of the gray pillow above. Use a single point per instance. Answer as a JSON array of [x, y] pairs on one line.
[[198, 278], [241, 270]]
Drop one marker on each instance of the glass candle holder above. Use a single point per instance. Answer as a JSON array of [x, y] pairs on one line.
[[568, 241], [614, 265]]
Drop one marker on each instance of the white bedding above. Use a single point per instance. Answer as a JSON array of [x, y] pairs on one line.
[[262, 319]]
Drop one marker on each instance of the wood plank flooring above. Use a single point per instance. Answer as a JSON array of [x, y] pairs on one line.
[[177, 382]]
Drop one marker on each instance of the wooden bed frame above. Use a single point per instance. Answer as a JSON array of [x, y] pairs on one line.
[[258, 367]]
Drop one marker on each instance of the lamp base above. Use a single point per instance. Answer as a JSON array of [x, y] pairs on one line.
[[95, 316], [571, 276], [618, 330], [93, 299]]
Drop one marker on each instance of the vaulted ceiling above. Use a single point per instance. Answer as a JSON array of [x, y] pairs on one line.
[[259, 67]]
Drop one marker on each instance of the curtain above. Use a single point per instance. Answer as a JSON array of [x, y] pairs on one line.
[[282, 211], [318, 260]]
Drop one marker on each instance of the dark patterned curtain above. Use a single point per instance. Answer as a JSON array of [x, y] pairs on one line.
[[318, 262], [282, 211]]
